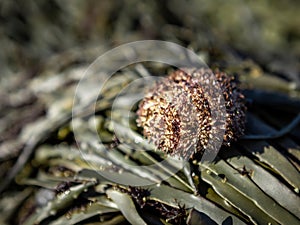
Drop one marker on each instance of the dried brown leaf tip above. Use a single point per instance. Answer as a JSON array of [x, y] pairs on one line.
[[176, 115]]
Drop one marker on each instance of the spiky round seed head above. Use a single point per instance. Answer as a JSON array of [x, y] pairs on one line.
[[169, 123]]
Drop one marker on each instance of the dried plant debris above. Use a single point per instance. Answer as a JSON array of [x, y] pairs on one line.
[[166, 118], [138, 194], [171, 214]]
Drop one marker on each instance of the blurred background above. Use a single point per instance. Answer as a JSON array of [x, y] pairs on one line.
[[43, 38], [266, 32]]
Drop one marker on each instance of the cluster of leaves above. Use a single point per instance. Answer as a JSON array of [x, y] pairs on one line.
[[255, 181], [240, 187]]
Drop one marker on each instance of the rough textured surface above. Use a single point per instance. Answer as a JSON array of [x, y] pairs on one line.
[[165, 114]]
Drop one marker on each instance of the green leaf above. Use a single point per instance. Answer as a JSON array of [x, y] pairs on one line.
[[79, 215], [236, 198], [246, 187], [60, 202], [169, 196], [126, 206], [273, 158], [268, 183]]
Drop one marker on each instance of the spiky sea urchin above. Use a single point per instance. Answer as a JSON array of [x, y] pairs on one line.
[[171, 126]]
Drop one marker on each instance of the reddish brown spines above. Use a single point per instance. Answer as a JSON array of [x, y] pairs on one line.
[[167, 124], [235, 107]]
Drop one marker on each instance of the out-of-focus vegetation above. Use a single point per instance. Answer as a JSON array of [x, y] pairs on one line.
[[45, 48]]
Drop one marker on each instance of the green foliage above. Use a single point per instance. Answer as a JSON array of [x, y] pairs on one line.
[[45, 179]]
